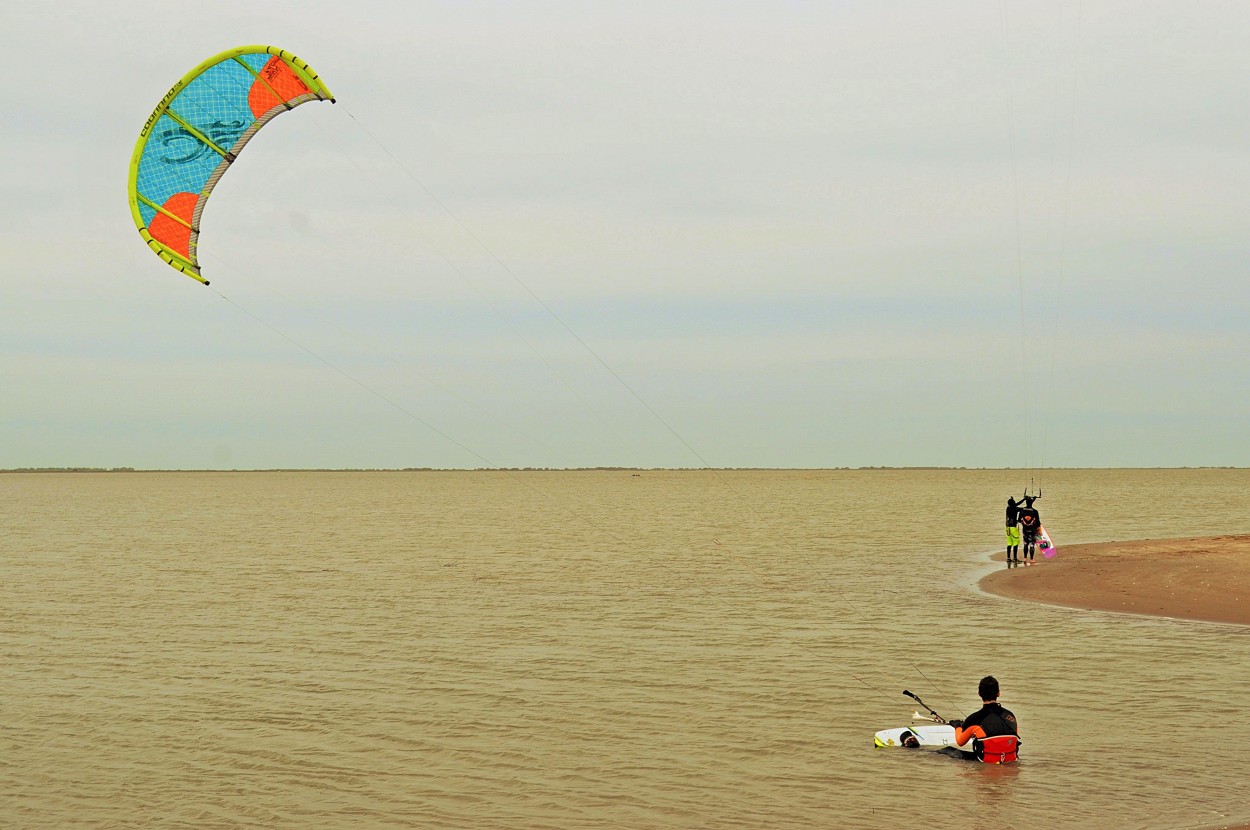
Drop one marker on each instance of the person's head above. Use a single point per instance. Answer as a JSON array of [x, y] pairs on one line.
[[988, 688], [1028, 501], [910, 740], [1010, 500]]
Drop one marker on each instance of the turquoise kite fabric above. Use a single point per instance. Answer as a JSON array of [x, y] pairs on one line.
[[197, 131]]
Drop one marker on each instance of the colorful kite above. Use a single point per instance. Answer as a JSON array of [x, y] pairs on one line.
[[197, 130]]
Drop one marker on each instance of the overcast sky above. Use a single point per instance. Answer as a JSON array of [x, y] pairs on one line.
[[781, 234]]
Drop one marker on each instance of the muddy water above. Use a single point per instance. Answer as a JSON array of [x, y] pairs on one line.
[[590, 649]]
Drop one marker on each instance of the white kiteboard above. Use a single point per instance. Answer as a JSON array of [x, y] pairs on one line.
[[1044, 544], [931, 736]]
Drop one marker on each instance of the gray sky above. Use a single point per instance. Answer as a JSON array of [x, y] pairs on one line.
[[805, 234]]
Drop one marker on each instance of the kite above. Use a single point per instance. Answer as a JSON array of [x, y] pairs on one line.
[[197, 131]]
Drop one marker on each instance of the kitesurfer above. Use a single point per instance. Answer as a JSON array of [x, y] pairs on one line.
[[1030, 525], [992, 729], [1013, 530]]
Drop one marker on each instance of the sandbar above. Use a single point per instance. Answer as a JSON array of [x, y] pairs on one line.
[[1197, 578]]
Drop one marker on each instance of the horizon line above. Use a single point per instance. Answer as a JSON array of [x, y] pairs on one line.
[[603, 468]]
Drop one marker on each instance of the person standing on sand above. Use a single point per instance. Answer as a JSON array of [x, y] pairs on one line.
[[992, 729], [1013, 530], [1030, 525]]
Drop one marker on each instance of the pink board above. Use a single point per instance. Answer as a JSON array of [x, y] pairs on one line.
[[1044, 544]]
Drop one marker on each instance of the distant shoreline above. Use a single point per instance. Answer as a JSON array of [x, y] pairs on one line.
[[1194, 578], [555, 469]]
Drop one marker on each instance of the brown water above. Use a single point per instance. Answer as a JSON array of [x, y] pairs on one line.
[[591, 649]]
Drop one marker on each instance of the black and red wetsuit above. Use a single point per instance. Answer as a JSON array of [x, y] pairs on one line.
[[1030, 523], [989, 721]]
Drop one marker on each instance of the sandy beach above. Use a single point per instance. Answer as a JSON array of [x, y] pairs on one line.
[[1199, 578]]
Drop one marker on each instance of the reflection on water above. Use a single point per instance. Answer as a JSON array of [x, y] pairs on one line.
[[588, 649]]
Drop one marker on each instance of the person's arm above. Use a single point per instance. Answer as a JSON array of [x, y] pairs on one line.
[[963, 734], [966, 730]]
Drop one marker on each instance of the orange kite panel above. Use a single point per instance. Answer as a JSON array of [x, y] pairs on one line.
[[280, 79], [175, 235]]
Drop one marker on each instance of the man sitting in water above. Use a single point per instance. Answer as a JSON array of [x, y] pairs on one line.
[[991, 729]]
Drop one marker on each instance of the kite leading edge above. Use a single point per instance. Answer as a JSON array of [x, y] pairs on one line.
[[197, 130]]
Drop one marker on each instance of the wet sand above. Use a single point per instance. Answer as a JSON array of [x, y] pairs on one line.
[[1199, 578]]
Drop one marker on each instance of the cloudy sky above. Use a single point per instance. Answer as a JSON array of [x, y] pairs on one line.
[[783, 234]]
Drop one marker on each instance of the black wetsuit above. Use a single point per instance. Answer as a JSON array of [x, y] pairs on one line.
[[1030, 524], [994, 719]]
